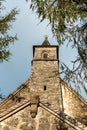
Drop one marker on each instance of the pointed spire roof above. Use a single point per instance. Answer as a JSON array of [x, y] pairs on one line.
[[46, 42]]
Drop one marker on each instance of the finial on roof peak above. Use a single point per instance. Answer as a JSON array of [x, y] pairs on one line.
[[46, 37], [46, 42]]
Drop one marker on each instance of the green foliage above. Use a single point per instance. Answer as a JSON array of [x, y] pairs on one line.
[[5, 39], [68, 20], [61, 14]]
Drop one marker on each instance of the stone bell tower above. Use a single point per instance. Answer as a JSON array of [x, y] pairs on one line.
[[44, 79], [44, 101]]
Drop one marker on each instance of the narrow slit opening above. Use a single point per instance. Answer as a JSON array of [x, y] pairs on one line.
[[45, 88]]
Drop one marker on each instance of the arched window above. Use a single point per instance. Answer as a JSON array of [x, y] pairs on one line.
[[45, 55]]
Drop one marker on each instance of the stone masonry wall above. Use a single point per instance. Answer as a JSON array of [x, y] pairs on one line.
[[23, 121], [44, 80], [52, 54], [73, 104]]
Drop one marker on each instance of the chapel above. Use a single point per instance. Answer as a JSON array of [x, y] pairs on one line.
[[44, 101]]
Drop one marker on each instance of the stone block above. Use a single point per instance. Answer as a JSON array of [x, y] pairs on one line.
[[6, 128], [44, 127], [24, 126]]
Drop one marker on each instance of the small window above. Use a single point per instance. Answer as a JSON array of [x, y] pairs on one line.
[[45, 88], [45, 55]]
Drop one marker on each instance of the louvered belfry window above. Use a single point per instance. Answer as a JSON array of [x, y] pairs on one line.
[[45, 55]]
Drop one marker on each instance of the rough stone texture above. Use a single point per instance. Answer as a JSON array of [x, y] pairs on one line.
[[41, 122], [51, 90], [74, 104], [6, 128]]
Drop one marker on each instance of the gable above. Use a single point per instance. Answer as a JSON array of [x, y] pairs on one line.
[[73, 103]]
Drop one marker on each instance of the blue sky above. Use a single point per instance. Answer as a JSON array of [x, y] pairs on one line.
[[30, 32]]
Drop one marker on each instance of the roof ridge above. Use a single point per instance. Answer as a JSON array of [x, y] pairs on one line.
[[62, 118], [14, 93], [14, 111], [12, 108]]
